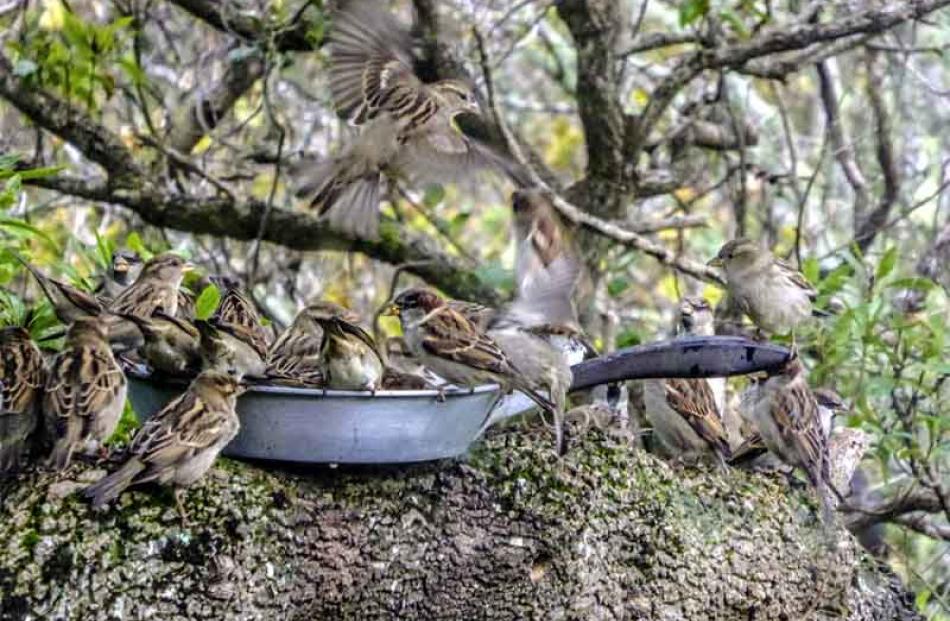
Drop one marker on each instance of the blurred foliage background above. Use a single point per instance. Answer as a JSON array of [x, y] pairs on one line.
[[833, 149]]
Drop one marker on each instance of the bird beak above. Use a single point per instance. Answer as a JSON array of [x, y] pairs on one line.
[[120, 266], [189, 267], [392, 311], [715, 262]]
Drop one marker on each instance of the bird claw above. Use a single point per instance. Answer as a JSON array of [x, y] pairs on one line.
[[180, 505], [440, 397]]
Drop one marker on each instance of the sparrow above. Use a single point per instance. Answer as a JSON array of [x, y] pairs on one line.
[[84, 392], [397, 380], [541, 234], [225, 346], [236, 309], [788, 419], [179, 443], [446, 342], [185, 310], [123, 270], [21, 385], [295, 356], [69, 302], [686, 413], [479, 314], [408, 127], [348, 353], [776, 296], [156, 289], [171, 344], [401, 362]]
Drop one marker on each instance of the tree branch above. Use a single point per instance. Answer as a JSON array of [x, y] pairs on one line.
[[291, 37]]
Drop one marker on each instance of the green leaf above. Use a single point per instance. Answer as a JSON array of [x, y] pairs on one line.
[[105, 249], [134, 243], [434, 195], [811, 269], [31, 173], [617, 286], [691, 10], [921, 284], [887, 264], [923, 597], [29, 230], [207, 302]]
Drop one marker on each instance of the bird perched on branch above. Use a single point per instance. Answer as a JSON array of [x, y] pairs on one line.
[[788, 418], [21, 385], [685, 413], [446, 342], [179, 443], [84, 392], [123, 270], [408, 127], [776, 296]]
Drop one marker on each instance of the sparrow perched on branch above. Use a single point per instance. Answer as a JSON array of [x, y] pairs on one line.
[[446, 342], [686, 413], [787, 417], [84, 392], [69, 303], [296, 354], [21, 384], [171, 344], [179, 443], [408, 127], [123, 270], [776, 296], [348, 353]]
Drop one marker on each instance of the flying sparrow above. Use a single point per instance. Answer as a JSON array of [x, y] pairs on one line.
[[69, 303], [788, 419], [225, 346], [84, 393], [171, 344], [773, 294], [122, 272], [295, 356], [408, 127], [21, 384], [180, 443], [449, 344]]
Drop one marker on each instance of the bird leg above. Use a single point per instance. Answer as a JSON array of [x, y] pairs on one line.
[[179, 503], [440, 397]]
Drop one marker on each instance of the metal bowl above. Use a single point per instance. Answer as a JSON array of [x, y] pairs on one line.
[[340, 426]]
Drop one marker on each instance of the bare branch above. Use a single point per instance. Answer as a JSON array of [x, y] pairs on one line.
[[290, 37]]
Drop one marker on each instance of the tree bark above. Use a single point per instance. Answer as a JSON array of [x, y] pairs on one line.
[[608, 532]]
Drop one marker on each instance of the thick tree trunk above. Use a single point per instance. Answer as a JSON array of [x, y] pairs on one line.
[[513, 533]]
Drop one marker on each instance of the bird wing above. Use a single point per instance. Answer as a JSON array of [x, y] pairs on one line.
[[371, 67], [693, 399], [142, 299], [182, 428], [449, 335], [236, 309], [796, 278], [795, 411], [354, 330], [21, 374], [81, 383], [296, 356]]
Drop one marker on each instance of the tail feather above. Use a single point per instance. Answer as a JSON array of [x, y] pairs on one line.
[[108, 488], [62, 454]]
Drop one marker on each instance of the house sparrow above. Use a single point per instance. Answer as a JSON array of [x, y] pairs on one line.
[[788, 419], [21, 384], [84, 392], [171, 345], [449, 344], [541, 235], [408, 127], [69, 303], [123, 270], [179, 443], [773, 294], [479, 314], [156, 289], [226, 346], [348, 353], [296, 354], [236, 309], [401, 360]]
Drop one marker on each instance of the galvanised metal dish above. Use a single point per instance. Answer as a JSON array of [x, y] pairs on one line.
[[310, 425]]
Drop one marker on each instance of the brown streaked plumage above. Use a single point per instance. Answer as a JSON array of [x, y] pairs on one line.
[[348, 354], [171, 344], [179, 443], [21, 385], [84, 393], [122, 272], [156, 288], [69, 303], [296, 355]]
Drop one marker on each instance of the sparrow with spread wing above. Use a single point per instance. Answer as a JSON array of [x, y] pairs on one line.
[[685, 413], [21, 386], [179, 443], [408, 127], [84, 392], [776, 296], [446, 342]]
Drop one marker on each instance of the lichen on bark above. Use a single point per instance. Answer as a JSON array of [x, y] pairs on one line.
[[509, 533]]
